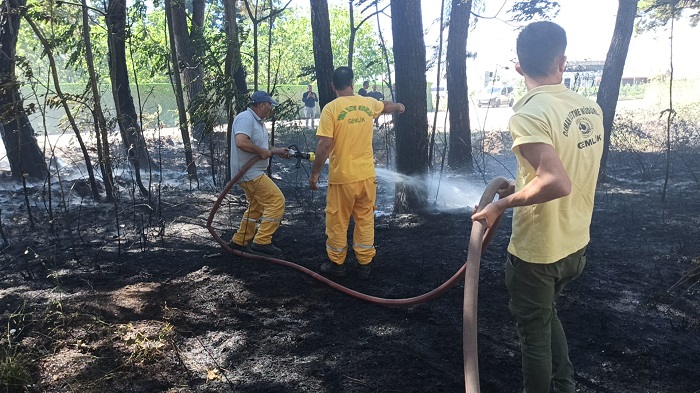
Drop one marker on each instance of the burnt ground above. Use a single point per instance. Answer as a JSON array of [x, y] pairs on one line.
[[158, 307]]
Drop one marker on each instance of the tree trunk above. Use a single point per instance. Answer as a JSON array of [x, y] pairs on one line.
[[412, 125], [436, 107], [271, 24], [233, 62], [323, 54], [48, 50], [103, 153], [26, 159], [234, 69], [179, 98], [460, 152], [256, 64], [129, 127], [609, 88], [191, 69], [353, 31], [385, 55]]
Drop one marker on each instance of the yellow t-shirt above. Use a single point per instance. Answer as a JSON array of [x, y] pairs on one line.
[[573, 125], [348, 120]]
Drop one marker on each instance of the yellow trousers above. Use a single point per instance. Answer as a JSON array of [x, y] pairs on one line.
[[354, 200], [266, 205]]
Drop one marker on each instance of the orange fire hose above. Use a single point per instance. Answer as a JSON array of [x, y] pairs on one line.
[[478, 241]]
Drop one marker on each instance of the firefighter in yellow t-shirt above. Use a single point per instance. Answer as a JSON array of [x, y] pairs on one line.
[[345, 137], [558, 143]]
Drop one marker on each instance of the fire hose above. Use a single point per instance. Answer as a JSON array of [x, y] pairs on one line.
[[479, 239]]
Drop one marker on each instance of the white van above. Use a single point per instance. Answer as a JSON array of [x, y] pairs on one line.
[[495, 96]]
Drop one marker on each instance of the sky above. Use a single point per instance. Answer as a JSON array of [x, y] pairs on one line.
[[589, 25]]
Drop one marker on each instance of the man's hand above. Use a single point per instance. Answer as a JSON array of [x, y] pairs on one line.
[[280, 151], [390, 107], [323, 150], [313, 181], [489, 214]]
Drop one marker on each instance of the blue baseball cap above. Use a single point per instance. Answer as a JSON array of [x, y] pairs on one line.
[[261, 96]]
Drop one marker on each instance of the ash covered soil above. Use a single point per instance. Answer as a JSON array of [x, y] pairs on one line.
[[157, 306]]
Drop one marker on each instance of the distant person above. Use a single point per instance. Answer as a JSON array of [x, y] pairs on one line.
[[309, 98], [265, 200], [558, 142], [345, 135], [363, 91], [377, 95]]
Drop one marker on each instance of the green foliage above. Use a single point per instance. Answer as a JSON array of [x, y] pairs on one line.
[[14, 364], [632, 92], [367, 59], [526, 10], [292, 52], [14, 373], [62, 27], [146, 44], [655, 14], [148, 56]]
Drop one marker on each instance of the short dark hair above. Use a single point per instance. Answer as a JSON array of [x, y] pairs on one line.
[[539, 45], [343, 77], [365, 83]]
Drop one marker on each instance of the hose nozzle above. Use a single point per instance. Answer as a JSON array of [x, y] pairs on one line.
[[299, 155], [294, 152]]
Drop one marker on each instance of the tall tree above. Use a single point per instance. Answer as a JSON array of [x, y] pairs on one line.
[[236, 100], [233, 62], [355, 27], [257, 18], [103, 153], [412, 125], [179, 98], [323, 54], [438, 57], [190, 68], [385, 55], [460, 153], [187, 43], [127, 119], [49, 51], [609, 88], [26, 159]]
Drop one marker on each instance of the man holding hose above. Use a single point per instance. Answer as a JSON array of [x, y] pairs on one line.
[[345, 135], [558, 142], [265, 200]]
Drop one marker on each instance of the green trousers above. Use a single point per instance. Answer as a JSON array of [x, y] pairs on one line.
[[534, 289]]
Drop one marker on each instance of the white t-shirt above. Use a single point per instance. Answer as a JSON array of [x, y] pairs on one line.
[[248, 123]]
